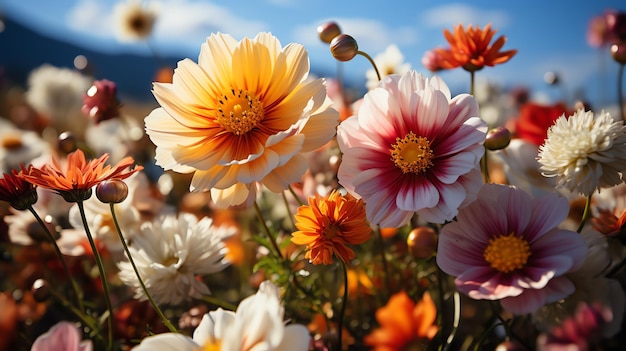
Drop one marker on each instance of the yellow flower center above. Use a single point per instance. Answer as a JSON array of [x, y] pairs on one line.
[[12, 142], [212, 346], [506, 253], [169, 261], [412, 154], [239, 111]]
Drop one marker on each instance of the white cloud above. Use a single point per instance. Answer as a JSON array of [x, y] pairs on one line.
[[179, 22], [448, 16], [178, 19], [91, 17]]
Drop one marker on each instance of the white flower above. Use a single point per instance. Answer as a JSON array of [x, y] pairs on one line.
[[57, 93], [134, 21], [100, 219], [585, 152], [19, 146], [170, 252], [257, 325], [391, 61]]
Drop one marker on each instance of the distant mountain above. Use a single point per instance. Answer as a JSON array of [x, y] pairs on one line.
[[22, 50]]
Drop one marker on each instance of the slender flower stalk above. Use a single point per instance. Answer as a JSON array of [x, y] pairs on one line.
[[620, 94], [267, 231], [77, 292], [381, 244], [165, 320], [344, 303], [371, 60], [103, 278], [586, 214]]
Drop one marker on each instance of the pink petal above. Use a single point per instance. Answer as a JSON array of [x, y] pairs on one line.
[[62, 336], [418, 195], [548, 213]]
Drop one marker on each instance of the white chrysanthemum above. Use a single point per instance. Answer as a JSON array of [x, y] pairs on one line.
[[391, 61], [585, 152], [257, 325], [134, 20], [57, 93], [19, 146], [171, 252]]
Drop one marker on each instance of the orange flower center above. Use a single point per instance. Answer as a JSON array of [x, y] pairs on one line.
[[331, 230], [12, 142], [239, 112], [506, 253], [212, 346], [412, 154]]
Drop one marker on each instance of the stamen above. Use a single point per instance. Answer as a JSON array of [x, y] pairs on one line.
[[241, 113], [506, 253], [412, 154]]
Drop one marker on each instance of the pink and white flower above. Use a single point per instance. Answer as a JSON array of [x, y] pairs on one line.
[[412, 148], [62, 336], [507, 246]]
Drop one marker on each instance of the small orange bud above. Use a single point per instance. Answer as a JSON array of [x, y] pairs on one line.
[[422, 242], [328, 31], [344, 47]]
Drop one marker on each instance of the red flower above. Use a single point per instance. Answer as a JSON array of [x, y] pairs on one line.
[[534, 121], [17, 191]]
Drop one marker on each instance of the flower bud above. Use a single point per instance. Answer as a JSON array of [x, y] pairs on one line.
[[41, 290], [422, 242], [100, 102], [344, 47], [112, 191], [618, 52], [328, 31], [67, 142], [498, 138]]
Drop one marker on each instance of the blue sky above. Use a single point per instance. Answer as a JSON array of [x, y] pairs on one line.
[[550, 35]]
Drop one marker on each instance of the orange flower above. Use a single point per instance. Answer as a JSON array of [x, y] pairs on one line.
[[471, 49], [404, 324], [328, 224], [80, 176]]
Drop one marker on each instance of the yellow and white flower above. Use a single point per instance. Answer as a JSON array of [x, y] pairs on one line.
[[241, 117]]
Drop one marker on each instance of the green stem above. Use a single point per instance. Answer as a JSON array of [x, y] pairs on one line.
[[369, 58], [286, 201], [219, 303], [381, 244], [620, 96], [507, 327], [344, 303], [586, 213], [77, 292], [165, 320], [87, 320], [103, 278], [267, 231], [293, 193]]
